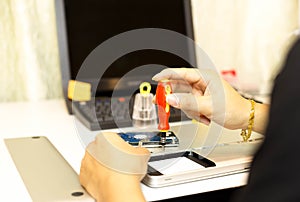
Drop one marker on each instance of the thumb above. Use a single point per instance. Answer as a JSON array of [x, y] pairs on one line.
[[190, 102]]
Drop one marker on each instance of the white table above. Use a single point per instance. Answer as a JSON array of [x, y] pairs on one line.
[[51, 119]]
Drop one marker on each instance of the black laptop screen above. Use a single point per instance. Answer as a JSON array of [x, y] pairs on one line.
[[91, 22]]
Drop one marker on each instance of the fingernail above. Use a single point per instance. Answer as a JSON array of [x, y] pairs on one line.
[[154, 78], [173, 100], [154, 100], [157, 77]]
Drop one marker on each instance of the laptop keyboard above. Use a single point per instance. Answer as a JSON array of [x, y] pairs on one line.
[[115, 112]]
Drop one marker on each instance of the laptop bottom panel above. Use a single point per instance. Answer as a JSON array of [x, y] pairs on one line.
[[45, 173]]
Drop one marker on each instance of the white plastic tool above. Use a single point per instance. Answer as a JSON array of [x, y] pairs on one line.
[[144, 111]]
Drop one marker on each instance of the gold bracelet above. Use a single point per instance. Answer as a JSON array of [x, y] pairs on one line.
[[246, 133]]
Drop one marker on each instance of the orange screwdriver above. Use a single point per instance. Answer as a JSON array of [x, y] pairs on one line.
[[162, 90]]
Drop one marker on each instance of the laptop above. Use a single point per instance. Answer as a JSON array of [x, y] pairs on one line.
[[188, 166], [84, 26], [200, 156], [49, 177]]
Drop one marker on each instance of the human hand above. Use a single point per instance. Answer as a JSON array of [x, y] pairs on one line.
[[204, 96], [105, 182]]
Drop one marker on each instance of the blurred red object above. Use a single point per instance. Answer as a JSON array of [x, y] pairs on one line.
[[162, 90]]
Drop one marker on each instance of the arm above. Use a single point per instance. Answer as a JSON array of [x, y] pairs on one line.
[[108, 185], [113, 180], [198, 93]]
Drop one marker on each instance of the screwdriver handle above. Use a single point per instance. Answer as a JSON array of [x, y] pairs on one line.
[[162, 90]]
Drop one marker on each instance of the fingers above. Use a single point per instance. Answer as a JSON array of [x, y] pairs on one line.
[[198, 108], [180, 86], [198, 79], [193, 90], [190, 102], [119, 143], [89, 168], [190, 75]]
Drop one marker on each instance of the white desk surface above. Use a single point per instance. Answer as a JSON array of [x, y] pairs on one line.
[[51, 119]]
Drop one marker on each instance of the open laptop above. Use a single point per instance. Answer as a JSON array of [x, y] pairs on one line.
[[188, 166], [201, 155], [84, 25]]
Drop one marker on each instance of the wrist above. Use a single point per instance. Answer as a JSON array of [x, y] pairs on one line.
[[246, 132], [261, 117], [246, 113], [122, 187], [261, 114]]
